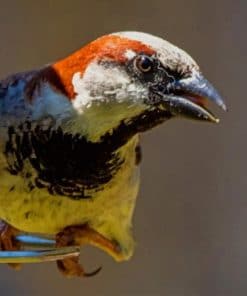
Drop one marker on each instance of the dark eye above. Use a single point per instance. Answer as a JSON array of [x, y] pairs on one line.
[[144, 63]]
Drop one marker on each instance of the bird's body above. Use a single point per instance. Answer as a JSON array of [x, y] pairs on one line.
[[50, 178], [69, 132]]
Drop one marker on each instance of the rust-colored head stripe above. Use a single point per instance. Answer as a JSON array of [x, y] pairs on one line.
[[110, 47]]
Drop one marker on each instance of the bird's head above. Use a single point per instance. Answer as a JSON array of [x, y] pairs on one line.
[[121, 76]]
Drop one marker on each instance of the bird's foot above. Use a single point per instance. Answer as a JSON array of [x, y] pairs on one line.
[[81, 235], [8, 241]]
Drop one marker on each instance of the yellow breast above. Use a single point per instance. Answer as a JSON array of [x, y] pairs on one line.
[[109, 211]]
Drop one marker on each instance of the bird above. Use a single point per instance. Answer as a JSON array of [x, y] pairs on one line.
[[70, 139]]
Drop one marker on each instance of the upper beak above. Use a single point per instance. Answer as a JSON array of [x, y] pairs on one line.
[[186, 97]]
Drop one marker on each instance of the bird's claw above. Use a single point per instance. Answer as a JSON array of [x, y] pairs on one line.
[[71, 267], [81, 235], [8, 241], [16, 248]]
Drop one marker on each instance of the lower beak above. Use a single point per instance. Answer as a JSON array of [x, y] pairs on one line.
[[187, 96]]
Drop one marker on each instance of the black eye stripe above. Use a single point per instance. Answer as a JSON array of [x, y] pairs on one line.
[[153, 73]]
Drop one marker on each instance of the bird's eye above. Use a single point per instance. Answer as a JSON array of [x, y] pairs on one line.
[[143, 63]]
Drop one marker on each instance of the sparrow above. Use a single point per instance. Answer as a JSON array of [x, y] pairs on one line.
[[69, 139]]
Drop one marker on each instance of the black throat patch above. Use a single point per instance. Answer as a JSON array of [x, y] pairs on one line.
[[68, 164]]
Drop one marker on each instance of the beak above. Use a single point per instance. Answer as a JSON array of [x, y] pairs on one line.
[[187, 96]]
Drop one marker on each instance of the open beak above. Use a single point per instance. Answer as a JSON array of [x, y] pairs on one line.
[[188, 96]]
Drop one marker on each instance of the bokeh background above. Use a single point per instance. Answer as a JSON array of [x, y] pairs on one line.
[[191, 216]]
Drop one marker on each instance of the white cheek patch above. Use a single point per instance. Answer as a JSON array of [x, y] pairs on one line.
[[105, 83], [105, 95], [83, 97]]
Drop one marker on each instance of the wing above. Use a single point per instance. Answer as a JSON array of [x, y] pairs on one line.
[[33, 96]]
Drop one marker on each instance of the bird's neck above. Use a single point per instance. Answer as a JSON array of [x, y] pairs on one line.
[[116, 130], [101, 119]]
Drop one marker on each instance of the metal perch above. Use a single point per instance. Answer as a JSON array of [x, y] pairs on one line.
[[49, 252]]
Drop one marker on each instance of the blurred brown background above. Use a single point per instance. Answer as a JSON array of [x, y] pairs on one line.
[[190, 220]]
